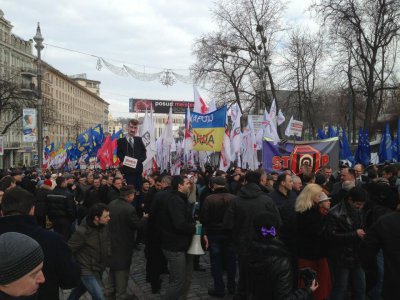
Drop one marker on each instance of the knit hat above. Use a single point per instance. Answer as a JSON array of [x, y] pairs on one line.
[[19, 254], [323, 197], [266, 225], [48, 182]]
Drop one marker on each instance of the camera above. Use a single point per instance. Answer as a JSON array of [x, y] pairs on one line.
[[308, 275]]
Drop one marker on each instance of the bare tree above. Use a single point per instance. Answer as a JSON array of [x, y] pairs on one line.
[[12, 101], [370, 29], [302, 65]]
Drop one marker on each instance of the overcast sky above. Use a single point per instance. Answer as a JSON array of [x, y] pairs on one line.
[[157, 34]]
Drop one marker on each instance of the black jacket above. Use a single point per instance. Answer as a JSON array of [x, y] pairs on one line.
[[250, 202], [342, 224], [112, 194], [92, 196], [174, 222], [59, 268], [311, 234], [60, 204], [41, 199], [269, 273], [123, 224], [90, 244], [138, 152], [385, 235], [214, 210]]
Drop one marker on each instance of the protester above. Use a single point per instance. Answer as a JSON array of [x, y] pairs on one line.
[[114, 190], [311, 236], [270, 274], [297, 184], [90, 244], [59, 268], [20, 266], [218, 238], [251, 201], [123, 225], [176, 227]]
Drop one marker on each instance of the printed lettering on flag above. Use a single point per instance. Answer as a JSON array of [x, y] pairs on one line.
[[208, 130]]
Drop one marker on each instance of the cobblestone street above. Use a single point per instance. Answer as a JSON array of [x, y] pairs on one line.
[[137, 285]]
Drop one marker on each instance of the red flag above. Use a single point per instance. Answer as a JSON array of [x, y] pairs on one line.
[[105, 153]]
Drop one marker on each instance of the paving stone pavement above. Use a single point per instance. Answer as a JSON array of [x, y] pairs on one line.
[[137, 284]]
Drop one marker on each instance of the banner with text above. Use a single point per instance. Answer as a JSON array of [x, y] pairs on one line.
[[208, 130], [293, 155], [29, 125], [159, 106]]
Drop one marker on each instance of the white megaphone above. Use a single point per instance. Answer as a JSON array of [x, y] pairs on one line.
[[195, 247]]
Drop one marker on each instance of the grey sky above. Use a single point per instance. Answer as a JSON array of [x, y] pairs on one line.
[[157, 34]]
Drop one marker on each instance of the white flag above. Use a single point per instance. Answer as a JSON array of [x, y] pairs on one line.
[[188, 133], [166, 141], [281, 117], [249, 146], [212, 107], [236, 131], [200, 105], [287, 131], [148, 136], [225, 158]]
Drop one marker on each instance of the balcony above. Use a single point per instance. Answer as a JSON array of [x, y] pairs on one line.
[[12, 145], [28, 88], [28, 72]]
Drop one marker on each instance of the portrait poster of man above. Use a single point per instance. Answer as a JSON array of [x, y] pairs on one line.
[[29, 124]]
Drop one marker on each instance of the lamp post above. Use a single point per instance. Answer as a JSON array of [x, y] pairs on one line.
[[39, 47]]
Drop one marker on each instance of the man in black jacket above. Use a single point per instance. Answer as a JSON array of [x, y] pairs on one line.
[[132, 147], [123, 225], [251, 201], [345, 232], [61, 208], [59, 268], [176, 227], [218, 238], [90, 244], [114, 190]]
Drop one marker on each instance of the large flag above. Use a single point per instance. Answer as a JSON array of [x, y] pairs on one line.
[[200, 105], [281, 118], [345, 151], [212, 106], [225, 157], [321, 134], [287, 130], [331, 132], [249, 157], [396, 143], [236, 114], [166, 142], [148, 136], [188, 133], [385, 147], [208, 130], [291, 155], [114, 138], [98, 136], [105, 154], [84, 141], [270, 130], [363, 151]]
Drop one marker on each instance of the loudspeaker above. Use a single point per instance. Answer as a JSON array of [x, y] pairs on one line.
[[195, 247]]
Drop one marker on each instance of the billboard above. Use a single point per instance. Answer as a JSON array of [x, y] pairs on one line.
[[159, 106], [29, 125]]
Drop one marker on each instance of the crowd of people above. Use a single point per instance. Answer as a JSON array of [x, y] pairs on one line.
[[320, 235]]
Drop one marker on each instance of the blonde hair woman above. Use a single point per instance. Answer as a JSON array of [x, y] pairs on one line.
[[311, 207]]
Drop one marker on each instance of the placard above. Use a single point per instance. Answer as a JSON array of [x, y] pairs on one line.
[[130, 162]]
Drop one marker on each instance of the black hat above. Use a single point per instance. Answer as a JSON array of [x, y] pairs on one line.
[[320, 179], [19, 254], [219, 180], [266, 225]]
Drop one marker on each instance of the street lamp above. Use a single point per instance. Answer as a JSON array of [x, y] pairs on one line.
[[39, 47]]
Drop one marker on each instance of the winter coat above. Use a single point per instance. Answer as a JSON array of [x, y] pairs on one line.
[[311, 234], [213, 212], [91, 246], [60, 204], [123, 224], [59, 268], [112, 194], [92, 196], [138, 152], [385, 235], [41, 199], [342, 224], [250, 202], [174, 222], [269, 272]]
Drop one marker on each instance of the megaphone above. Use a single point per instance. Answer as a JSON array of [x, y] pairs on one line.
[[195, 247]]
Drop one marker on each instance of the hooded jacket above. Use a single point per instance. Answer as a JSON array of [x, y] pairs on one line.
[[249, 203]]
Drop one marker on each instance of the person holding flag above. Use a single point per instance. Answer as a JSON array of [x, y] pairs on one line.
[[131, 152]]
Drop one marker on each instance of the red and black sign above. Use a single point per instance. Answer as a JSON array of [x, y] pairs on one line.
[[159, 106]]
